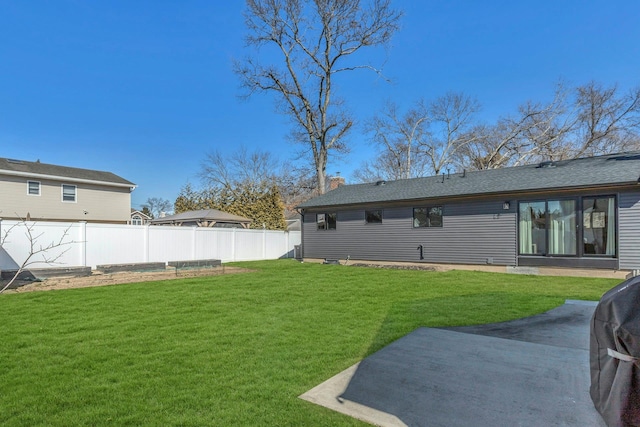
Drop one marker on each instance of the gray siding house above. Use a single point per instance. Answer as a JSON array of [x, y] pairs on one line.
[[582, 213], [43, 192]]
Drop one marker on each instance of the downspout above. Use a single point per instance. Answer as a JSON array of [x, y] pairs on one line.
[[301, 213]]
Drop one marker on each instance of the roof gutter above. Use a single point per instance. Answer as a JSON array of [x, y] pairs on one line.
[[131, 186]]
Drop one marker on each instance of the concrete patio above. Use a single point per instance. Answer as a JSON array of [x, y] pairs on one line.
[[527, 372]]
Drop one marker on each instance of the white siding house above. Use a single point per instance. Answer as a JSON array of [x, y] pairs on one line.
[[43, 192]]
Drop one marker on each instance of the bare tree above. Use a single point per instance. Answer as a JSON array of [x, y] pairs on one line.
[[256, 170], [240, 167], [37, 253], [315, 41], [397, 136], [297, 185], [450, 120], [536, 131], [585, 121], [422, 141], [156, 206], [605, 120], [385, 167]]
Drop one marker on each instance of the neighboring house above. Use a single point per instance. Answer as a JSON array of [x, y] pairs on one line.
[[43, 192], [576, 213], [139, 217], [204, 218]]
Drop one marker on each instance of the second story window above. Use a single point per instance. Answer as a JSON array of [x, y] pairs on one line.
[[33, 188], [68, 193]]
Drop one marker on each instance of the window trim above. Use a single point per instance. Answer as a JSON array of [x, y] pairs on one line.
[[75, 193], [428, 217], [29, 193], [370, 213]]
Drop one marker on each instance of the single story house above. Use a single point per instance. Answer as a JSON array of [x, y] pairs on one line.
[[43, 192], [204, 218], [581, 213]]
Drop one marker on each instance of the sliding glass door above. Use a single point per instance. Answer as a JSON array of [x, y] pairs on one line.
[[562, 228], [582, 226], [599, 225], [532, 228]]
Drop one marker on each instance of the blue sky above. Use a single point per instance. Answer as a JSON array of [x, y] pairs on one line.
[[145, 89]]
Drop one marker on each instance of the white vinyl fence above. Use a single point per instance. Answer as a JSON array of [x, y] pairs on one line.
[[89, 244]]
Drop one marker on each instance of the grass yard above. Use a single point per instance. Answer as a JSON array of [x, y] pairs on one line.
[[233, 350]]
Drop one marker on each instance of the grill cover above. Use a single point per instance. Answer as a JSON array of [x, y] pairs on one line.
[[615, 355]]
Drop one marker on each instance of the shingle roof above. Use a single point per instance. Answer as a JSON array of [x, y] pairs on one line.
[[201, 215], [613, 169], [43, 170]]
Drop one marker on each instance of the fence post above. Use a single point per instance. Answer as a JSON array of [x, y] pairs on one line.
[[146, 242], [264, 243], [83, 243], [193, 243], [233, 245], [286, 243]]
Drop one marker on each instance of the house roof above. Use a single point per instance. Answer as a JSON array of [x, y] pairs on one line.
[[201, 215], [591, 172], [68, 174], [140, 213]]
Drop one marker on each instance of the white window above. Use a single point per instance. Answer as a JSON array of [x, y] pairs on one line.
[[136, 220], [68, 193], [33, 188]]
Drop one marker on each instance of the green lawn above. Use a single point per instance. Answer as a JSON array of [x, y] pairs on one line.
[[233, 350]]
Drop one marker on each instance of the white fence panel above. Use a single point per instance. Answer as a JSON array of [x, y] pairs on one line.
[[252, 244], [89, 244], [277, 245], [114, 244], [21, 235], [214, 243], [171, 243]]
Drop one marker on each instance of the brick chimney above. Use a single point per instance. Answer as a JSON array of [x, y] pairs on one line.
[[335, 182]]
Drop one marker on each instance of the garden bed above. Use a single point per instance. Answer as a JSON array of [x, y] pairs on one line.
[[104, 279]]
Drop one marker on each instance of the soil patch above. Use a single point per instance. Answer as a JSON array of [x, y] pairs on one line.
[[102, 279], [395, 266]]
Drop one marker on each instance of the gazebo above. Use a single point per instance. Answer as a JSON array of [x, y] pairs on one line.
[[204, 218]]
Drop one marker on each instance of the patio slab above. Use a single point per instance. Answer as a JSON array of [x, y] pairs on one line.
[[528, 372]]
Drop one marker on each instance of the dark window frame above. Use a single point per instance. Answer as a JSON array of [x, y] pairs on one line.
[[373, 216], [579, 211], [329, 221], [429, 219], [616, 226]]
